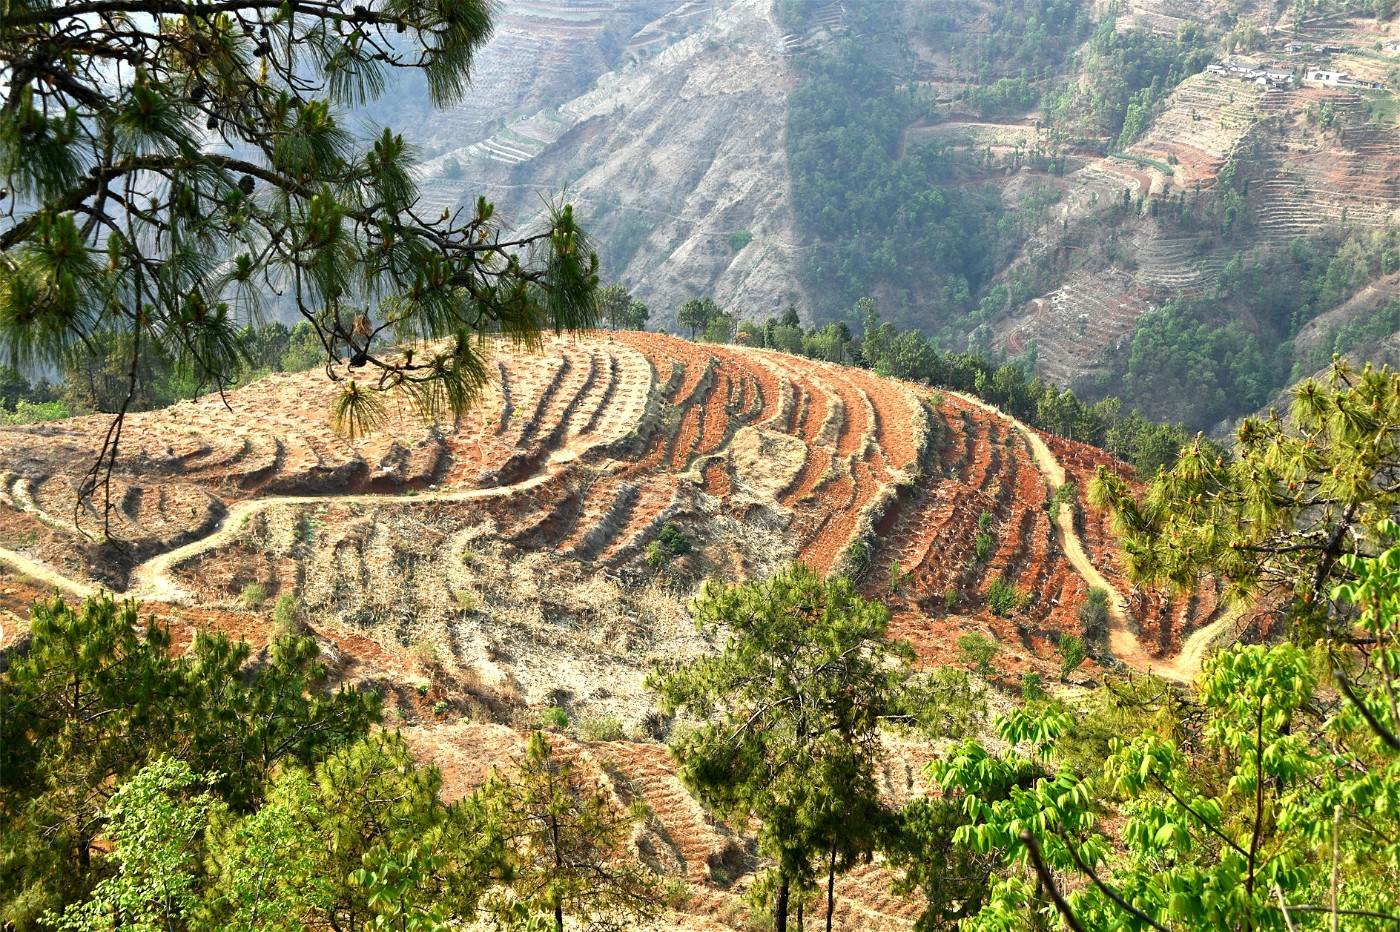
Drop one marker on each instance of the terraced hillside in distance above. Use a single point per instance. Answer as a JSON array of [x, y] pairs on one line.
[[1302, 182], [479, 570]]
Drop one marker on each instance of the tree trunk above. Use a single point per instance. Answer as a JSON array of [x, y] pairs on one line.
[[558, 917], [780, 904], [801, 922], [830, 888]]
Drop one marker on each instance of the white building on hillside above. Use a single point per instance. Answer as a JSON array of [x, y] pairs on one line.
[[1317, 76]]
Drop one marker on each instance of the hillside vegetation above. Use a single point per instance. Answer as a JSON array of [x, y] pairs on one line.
[[533, 563]]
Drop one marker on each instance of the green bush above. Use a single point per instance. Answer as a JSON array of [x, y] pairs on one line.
[[738, 240], [254, 595], [1031, 688], [674, 539], [27, 412], [670, 542], [1065, 494], [1072, 654], [978, 650], [555, 718], [984, 521], [601, 728], [984, 547], [284, 613], [897, 576], [1093, 615], [1003, 597]]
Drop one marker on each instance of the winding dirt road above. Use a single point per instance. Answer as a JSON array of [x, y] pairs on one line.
[[1122, 642], [151, 581], [43, 573]]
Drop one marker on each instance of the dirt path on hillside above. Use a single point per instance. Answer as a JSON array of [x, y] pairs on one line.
[[45, 574], [1122, 642], [151, 580]]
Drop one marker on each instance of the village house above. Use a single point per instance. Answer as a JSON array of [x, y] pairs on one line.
[[1266, 77], [1329, 77]]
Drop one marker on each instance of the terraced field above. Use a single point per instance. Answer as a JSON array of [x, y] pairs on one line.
[[1310, 160], [568, 470], [479, 569]]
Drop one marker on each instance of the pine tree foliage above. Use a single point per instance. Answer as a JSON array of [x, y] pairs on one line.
[[568, 845], [790, 715], [1299, 494], [360, 840], [166, 167], [98, 696]]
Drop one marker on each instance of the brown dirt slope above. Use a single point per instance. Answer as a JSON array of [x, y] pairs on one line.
[[518, 542]]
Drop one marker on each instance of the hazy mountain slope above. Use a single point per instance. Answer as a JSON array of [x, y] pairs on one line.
[[664, 156], [666, 124]]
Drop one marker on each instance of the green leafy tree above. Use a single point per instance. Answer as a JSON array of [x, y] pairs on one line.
[[719, 328], [619, 310], [1094, 615], [1005, 597], [1072, 655], [790, 715], [998, 795], [697, 314], [264, 871], [567, 847], [978, 650], [167, 168], [636, 317], [98, 696], [1272, 807], [304, 349], [155, 827]]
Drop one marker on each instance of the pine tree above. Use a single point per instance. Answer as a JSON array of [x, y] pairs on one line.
[[791, 711], [98, 696], [1299, 494], [165, 170], [567, 843]]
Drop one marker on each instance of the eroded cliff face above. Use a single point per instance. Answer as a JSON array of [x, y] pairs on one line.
[[663, 122], [665, 134]]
